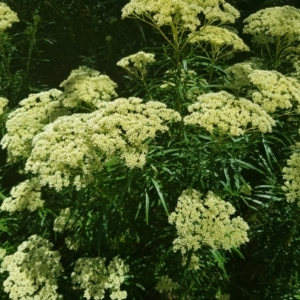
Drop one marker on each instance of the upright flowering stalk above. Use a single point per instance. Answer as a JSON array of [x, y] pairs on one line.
[[174, 19], [136, 65], [275, 29]]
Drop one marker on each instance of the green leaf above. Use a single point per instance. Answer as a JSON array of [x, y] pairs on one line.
[[247, 165], [147, 207], [161, 196], [220, 260]]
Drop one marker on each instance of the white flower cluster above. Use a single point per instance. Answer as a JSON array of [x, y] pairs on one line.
[[94, 277], [229, 115], [275, 91], [26, 195], [26, 121], [223, 41], [166, 284], [63, 153], [134, 120], [70, 149], [3, 103], [180, 13], [136, 63], [33, 271], [7, 17], [85, 85], [274, 22], [291, 175], [206, 223]]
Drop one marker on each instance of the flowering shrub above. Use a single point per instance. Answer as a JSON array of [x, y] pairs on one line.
[[184, 187]]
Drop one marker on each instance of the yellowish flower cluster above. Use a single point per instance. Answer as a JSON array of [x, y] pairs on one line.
[[126, 124], [71, 148], [33, 271], [279, 21], [63, 152], [85, 85], [291, 175], [136, 63], [166, 284], [181, 13], [222, 41], [26, 121], [26, 195], [229, 115], [3, 103], [206, 223], [94, 277], [7, 17], [275, 91]]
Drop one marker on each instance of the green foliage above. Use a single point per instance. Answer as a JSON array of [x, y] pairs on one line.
[[123, 209]]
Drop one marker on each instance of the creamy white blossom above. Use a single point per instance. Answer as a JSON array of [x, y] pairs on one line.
[[72, 149], [26, 195], [92, 275], [274, 90], [7, 17], [206, 222], [137, 63], [87, 86], [230, 115], [33, 271], [29, 119]]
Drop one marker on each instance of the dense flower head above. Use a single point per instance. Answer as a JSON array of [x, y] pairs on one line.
[[29, 119], [136, 63], [166, 284], [3, 103], [275, 91], [279, 21], [291, 175], [94, 277], [181, 13], [133, 119], [33, 271], [26, 195], [69, 150], [219, 37], [63, 152], [229, 115], [206, 222], [7, 17], [222, 40], [85, 85]]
